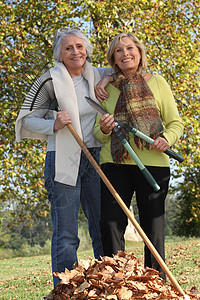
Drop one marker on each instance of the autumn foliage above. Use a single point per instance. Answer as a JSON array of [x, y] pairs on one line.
[[120, 277], [169, 30]]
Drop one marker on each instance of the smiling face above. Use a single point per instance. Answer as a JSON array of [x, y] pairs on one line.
[[127, 56], [73, 54]]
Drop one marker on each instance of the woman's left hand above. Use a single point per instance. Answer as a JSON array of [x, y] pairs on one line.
[[160, 144]]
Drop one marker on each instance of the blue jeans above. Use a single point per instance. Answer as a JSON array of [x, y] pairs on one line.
[[65, 203]]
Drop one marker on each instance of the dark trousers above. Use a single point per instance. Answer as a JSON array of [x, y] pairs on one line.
[[127, 179]]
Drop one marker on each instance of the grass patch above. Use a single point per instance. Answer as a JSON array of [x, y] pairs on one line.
[[30, 277], [25, 278]]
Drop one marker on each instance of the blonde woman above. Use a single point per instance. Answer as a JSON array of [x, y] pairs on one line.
[[145, 102]]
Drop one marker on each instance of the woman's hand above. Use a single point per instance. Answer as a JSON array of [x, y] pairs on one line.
[[160, 144], [62, 119], [107, 123], [99, 89]]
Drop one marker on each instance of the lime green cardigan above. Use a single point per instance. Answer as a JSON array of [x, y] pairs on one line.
[[168, 113]]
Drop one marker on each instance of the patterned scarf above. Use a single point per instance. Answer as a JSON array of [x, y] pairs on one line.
[[136, 106]]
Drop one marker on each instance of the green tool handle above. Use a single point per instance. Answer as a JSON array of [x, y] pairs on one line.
[[143, 169], [149, 140]]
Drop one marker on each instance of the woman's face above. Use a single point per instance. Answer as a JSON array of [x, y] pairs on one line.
[[127, 56], [73, 54]]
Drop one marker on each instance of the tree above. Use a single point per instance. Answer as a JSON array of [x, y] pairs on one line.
[[188, 205], [25, 27], [168, 29]]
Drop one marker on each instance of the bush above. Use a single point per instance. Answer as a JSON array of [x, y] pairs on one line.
[[7, 253], [83, 233], [26, 251]]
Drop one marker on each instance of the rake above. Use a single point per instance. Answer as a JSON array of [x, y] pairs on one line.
[[42, 95], [27, 71]]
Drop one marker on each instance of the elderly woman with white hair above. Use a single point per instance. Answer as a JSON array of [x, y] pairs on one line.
[[70, 179]]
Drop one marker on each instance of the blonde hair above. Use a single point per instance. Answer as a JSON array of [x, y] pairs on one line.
[[113, 45]]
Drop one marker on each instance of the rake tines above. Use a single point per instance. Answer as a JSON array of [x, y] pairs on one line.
[[29, 83], [41, 94]]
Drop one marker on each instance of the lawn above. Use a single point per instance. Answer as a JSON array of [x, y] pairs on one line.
[[30, 277]]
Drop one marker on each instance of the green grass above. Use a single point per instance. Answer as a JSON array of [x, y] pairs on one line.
[[182, 259], [30, 277], [25, 278]]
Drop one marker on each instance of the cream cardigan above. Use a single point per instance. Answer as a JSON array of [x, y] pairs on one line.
[[68, 152]]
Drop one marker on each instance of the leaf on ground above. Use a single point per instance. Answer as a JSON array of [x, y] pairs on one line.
[[120, 277]]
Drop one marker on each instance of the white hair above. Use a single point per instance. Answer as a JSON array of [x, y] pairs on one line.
[[62, 33]]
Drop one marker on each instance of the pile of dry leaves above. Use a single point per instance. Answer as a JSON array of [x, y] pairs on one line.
[[116, 278]]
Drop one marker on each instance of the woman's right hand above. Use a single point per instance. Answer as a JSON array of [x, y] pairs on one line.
[[99, 89], [107, 123], [62, 119]]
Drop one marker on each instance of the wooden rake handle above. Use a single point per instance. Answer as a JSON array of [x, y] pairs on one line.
[[127, 211]]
